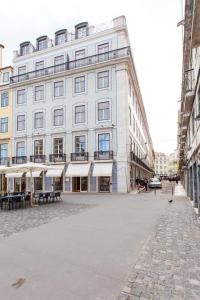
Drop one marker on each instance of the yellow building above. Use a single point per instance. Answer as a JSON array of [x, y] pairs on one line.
[[5, 118]]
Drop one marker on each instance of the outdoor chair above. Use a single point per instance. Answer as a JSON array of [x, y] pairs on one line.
[[58, 196], [52, 197]]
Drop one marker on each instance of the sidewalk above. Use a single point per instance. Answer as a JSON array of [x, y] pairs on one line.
[[168, 266]]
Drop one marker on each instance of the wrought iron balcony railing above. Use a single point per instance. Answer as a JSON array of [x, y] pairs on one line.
[[19, 160], [73, 64], [137, 160], [103, 155], [60, 157], [82, 156], [38, 158], [4, 161]]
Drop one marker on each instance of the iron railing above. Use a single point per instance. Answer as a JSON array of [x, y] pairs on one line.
[[19, 160], [103, 155], [38, 158], [59, 157], [82, 156], [137, 160], [73, 64]]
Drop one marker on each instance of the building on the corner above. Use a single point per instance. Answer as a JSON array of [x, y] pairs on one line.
[[189, 114], [77, 105], [5, 118]]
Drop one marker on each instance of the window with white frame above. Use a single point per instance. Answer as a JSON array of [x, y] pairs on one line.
[[39, 67], [4, 125], [81, 32], [58, 118], [39, 93], [4, 99], [104, 142], [58, 145], [20, 122], [79, 114], [42, 44], [103, 79], [38, 120], [6, 77], [79, 84], [58, 89], [25, 50], [38, 147], [21, 70], [103, 111], [61, 38], [20, 149], [80, 145], [3, 151], [21, 96], [103, 50], [59, 63], [79, 57]]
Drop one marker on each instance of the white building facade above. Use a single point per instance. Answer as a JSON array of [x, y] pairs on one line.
[[77, 105], [161, 164]]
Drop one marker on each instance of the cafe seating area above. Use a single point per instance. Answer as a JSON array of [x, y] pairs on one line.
[[17, 200]]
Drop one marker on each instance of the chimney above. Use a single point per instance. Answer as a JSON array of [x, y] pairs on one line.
[[1, 55]]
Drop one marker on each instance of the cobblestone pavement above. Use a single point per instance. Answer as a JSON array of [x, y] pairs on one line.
[[22, 219], [168, 266]]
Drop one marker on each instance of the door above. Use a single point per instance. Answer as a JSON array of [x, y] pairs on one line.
[[84, 184], [104, 184], [76, 184], [80, 184]]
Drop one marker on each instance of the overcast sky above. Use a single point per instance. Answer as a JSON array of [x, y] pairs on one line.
[[155, 39]]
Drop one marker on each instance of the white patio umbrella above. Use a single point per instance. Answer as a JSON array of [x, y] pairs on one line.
[[28, 167]]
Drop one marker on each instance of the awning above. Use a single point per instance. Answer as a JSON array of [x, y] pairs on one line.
[[77, 170], [55, 172], [16, 175], [102, 169], [34, 174]]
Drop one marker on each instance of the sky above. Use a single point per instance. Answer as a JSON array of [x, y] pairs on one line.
[[156, 43]]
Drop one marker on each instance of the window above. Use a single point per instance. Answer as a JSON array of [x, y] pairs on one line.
[[25, 50], [80, 114], [4, 124], [6, 77], [39, 67], [58, 146], [58, 117], [81, 32], [129, 87], [38, 147], [103, 111], [20, 149], [104, 142], [42, 44], [39, 93], [58, 89], [4, 99], [61, 38], [59, 63], [3, 150], [38, 120], [103, 51], [79, 57], [103, 79], [21, 96], [79, 85], [80, 144], [20, 122], [130, 118], [21, 70]]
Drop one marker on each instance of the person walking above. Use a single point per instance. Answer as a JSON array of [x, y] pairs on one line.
[[146, 184]]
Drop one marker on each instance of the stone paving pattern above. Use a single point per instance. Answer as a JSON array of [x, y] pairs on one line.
[[168, 266], [14, 221]]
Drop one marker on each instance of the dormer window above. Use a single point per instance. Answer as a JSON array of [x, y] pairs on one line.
[[42, 43], [61, 37], [81, 30], [25, 48]]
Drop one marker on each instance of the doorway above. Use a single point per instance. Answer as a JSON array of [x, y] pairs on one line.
[[79, 184], [104, 184]]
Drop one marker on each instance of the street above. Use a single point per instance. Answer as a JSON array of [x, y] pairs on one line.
[[86, 246]]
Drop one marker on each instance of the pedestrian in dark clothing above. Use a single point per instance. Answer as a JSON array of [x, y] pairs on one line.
[[146, 184]]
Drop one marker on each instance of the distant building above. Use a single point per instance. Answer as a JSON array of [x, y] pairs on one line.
[[173, 163], [161, 164]]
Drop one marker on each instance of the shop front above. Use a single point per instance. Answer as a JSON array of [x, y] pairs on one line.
[[38, 180], [79, 173], [56, 175], [104, 173]]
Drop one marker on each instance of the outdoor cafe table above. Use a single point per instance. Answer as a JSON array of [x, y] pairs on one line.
[[10, 199]]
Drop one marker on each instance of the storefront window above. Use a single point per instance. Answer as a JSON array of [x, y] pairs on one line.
[[104, 184]]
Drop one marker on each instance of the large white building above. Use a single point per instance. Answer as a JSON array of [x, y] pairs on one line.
[[77, 105]]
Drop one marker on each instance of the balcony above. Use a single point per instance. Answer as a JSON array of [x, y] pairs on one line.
[[19, 160], [60, 157], [103, 155], [82, 156], [73, 64], [38, 158], [4, 161], [137, 160]]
